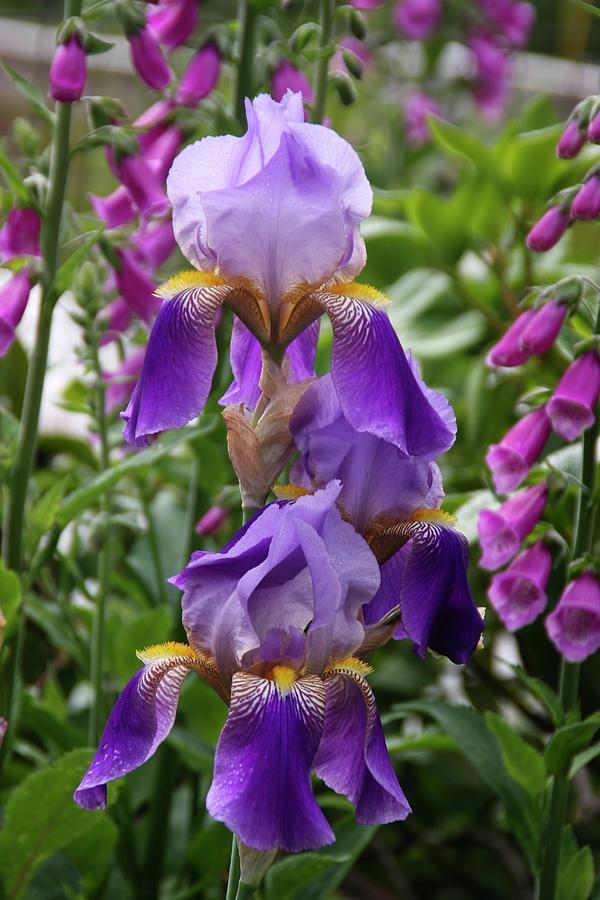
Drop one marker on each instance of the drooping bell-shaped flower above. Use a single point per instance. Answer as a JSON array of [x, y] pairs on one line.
[[135, 286], [148, 59], [154, 243], [509, 350], [287, 77], [511, 459], [586, 203], [276, 213], [20, 234], [490, 83], [593, 132], [574, 625], [161, 150], [572, 140], [116, 209], [68, 70], [519, 593], [14, 295], [418, 106], [548, 230], [543, 328], [212, 521], [200, 76], [394, 502], [518, 23], [144, 185], [417, 19], [175, 22], [502, 530], [275, 627], [571, 407], [120, 383]]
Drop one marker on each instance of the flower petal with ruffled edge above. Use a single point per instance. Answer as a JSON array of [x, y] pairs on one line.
[[261, 786], [352, 758], [142, 717]]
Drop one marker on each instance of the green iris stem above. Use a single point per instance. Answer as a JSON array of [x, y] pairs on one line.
[[234, 870], [569, 672], [244, 85], [14, 513], [326, 23]]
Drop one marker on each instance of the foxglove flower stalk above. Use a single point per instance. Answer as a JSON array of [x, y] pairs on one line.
[[490, 82], [393, 501], [511, 459], [572, 140], [586, 203], [148, 59], [68, 71], [200, 76], [502, 530], [574, 625], [275, 627], [20, 234], [548, 230], [519, 593], [571, 407], [14, 295], [154, 243], [277, 214], [417, 19]]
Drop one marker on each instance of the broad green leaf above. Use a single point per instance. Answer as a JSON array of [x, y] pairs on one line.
[[93, 851], [523, 762], [568, 741], [576, 872], [287, 879], [31, 93], [456, 141], [414, 293], [583, 758], [460, 333], [531, 163], [543, 693], [41, 818]]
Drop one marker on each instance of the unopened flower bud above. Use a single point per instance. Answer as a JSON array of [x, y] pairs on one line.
[[586, 204], [200, 77], [548, 230], [212, 521], [593, 131], [544, 327], [353, 63], [509, 351], [572, 140], [68, 71], [14, 295], [358, 26], [302, 36], [148, 59], [344, 88]]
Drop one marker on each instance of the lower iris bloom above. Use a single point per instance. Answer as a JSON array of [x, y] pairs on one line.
[[275, 624]]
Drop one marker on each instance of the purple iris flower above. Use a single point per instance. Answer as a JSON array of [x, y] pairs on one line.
[[275, 626], [20, 234], [277, 214], [394, 502]]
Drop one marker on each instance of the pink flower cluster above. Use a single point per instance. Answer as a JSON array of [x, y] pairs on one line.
[[19, 237]]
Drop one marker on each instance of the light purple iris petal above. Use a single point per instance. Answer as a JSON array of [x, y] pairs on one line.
[[141, 719], [178, 367], [574, 625], [428, 579], [261, 785], [519, 594], [377, 385], [352, 758]]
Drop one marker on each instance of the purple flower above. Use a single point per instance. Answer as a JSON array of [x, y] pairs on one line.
[[513, 20], [367, 4], [277, 214], [519, 594], [586, 203], [135, 287], [143, 184], [511, 459], [212, 521], [543, 328], [417, 19], [157, 114], [571, 407], [509, 350], [572, 140], [548, 230], [20, 235], [117, 317], [490, 81], [200, 76], [154, 243], [160, 149], [122, 380], [173, 23], [274, 623], [393, 501], [288, 78], [14, 295], [148, 59], [417, 108], [68, 71], [593, 132], [116, 209], [574, 626], [502, 530]]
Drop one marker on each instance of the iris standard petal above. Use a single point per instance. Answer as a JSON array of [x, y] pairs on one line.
[[352, 758], [141, 718], [261, 785]]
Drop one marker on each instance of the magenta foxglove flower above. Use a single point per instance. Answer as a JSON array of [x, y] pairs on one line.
[[502, 530], [143, 184], [157, 114], [543, 328], [519, 593], [68, 71], [511, 459], [14, 295], [154, 243], [417, 108], [509, 350], [174, 22], [200, 76], [115, 210], [117, 317], [276, 213], [572, 140], [513, 20], [122, 381], [394, 502], [490, 81], [288, 78], [275, 627], [593, 132], [160, 150], [548, 230], [367, 4], [586, 203], [212, 521], [135, 287], [20, 235], [417, 19], [148, 59], [574, 625], [571, 407]]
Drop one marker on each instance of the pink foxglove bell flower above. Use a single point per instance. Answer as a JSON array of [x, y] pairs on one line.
[[143, 184], [160, 150], [68, 71], [175, 22], [135, 287], [490, 80], [519, 593], [14, 295], [116, 209], [200, 76], [122, 381], [148, 59], [571, 407], [586, 203], [417, 19], [212, 521], [572, 140], [511, 459], [417, 108], [288, 78], [502, 530], [20, 235], [543, 328], [574, 626], [593, 132], [548, 230], [154, 243], [271, 222], [509, 350]]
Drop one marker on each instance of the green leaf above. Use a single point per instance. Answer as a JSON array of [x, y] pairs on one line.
[[31, 93], [568, 741], [85, 497], [43, 514], [287, 879], [460, 333], [523, 762], [543, 693], [10, 598], [457, 142], [13, 179], [93, 851], [583, 758], [151, 627], [41, 818], [576, 872], [393, 248], [65, 274], [531, 163], [95, 45]]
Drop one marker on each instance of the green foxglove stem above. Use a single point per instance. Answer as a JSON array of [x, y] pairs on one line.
[[247, 16], [326, 23], [245, 891], [234, 870]]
